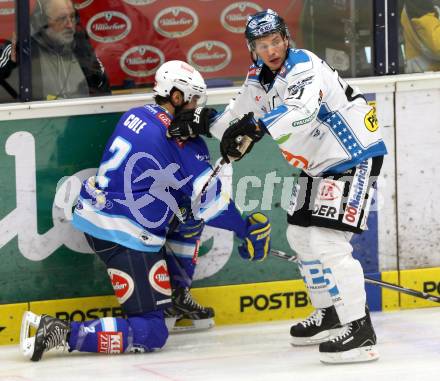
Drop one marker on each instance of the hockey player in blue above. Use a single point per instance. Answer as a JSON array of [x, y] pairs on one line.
[[325, 128], [139, 207]]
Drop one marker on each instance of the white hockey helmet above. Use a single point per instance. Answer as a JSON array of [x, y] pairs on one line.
[[182, 76]]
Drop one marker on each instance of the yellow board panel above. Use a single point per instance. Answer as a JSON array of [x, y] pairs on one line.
[[10, 321], [427, 280], [79, 309], [256, 302], [390, 298]]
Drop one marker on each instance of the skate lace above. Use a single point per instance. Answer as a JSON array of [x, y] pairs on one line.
[[56, 339], [188, 300], [314, 319], [345, 332]]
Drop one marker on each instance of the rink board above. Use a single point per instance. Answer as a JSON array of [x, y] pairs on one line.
[[246, 303]]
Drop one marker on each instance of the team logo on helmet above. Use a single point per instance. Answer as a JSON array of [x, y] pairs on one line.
[[82, 4], [160, 278], [235, 16], [109, 26], [209, 56], [176, 22], [122, 283], [141, 61]]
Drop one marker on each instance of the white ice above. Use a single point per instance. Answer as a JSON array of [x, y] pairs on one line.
[[409, 345]]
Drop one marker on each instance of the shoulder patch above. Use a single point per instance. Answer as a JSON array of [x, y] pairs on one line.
[[295, 57]]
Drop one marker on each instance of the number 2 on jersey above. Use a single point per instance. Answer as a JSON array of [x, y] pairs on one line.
[[120, 149]]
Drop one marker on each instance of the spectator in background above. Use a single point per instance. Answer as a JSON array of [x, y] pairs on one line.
[[64, 64], [421, 33]]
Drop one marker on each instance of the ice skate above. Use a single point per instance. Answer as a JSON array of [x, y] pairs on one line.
[[50, 333], [319, 327], [355, 343], [186, 314]]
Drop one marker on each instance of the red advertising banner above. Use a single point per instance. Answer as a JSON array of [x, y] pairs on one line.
[[133, 38]]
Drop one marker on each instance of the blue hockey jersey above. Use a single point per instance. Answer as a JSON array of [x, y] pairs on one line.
[[143, 180]]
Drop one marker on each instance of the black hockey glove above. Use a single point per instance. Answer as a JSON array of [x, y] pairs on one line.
[[230, 145], [191, 123]]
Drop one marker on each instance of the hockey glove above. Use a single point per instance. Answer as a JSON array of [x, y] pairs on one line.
[[191, 123], [191, 228], [246, 126], [256, 244]]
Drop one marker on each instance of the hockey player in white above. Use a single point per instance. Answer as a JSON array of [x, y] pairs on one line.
[[326, 128]]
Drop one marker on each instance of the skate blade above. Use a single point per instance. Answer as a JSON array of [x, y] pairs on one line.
[[362, 354], [170, 322], [319, 338], [188, 325], [29, 320]]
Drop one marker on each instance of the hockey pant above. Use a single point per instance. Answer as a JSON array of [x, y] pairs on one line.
[[142, 286], [332, 275]]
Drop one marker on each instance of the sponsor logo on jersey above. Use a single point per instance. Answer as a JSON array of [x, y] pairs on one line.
[[235, 15], [274, 301], [142, 60], [370, 120], [109, 26], [122, 283], [176, 22], [329, 190], [356, 197], [296, 160], [164, 118], [210, 56], [201, 157], [81, 4], [296, 90], [328, 199], [160, 278], [254, 71], [139, 2], [110, 342], [300, 122]]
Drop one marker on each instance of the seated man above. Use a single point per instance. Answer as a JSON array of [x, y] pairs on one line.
[[64, 64], [129, 211]]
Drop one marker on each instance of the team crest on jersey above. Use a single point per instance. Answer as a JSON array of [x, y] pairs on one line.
[[370, 120], [122, 283], [160, 278]]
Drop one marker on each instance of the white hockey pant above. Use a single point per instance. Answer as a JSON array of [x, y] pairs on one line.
[[332, 275]]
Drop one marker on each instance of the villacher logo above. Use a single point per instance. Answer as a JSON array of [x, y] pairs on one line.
[[210, 56], [234, 16], [109, 26], [176, 22], [141, 61]]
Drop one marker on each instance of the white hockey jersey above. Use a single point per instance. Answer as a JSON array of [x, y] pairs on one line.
[[321, 124]]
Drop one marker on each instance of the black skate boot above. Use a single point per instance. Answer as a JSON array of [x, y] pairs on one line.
[[187, 313], [355, 343], [319, 327], [51, 333]]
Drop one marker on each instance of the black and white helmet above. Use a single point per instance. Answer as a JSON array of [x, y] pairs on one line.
[[262, 24], [182, 76]]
